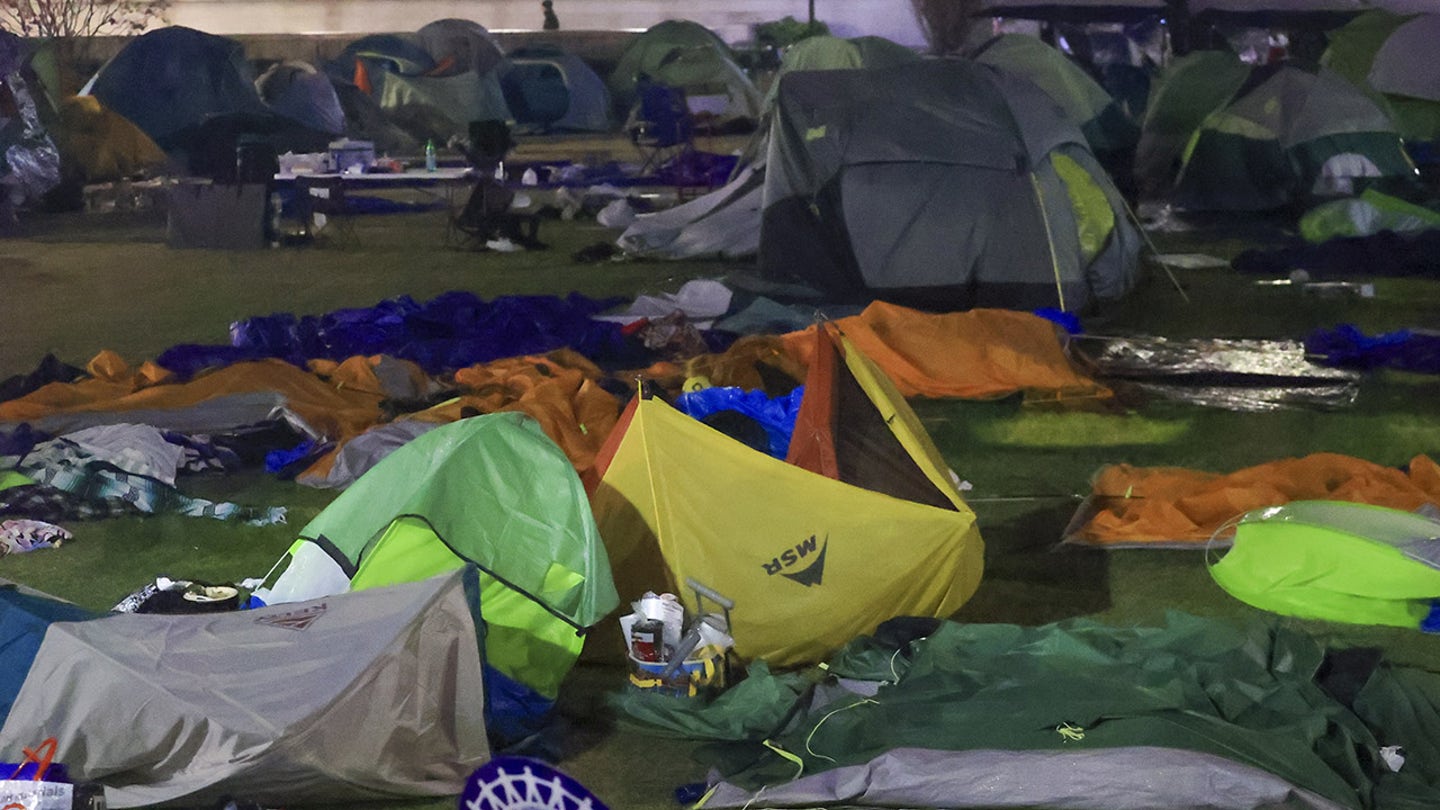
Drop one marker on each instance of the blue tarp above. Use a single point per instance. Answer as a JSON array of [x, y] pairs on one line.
[[1348, 347], [776, 415], [454, 330]]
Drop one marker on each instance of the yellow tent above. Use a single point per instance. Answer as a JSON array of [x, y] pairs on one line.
[[810, 558], [102, 145]]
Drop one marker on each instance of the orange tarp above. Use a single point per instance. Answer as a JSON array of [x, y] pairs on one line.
[[115, 386], [559, 390], [979, 354], [1160, 505]]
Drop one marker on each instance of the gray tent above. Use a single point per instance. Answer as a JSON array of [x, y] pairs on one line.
[[551, 89], [726, 222], [369, 695], [939, 184]]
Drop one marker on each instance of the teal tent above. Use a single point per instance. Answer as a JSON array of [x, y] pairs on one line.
[[493, 491], [550, 89], [170, 81]]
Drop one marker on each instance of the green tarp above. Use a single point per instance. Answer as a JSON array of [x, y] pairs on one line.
[[1260, 715]]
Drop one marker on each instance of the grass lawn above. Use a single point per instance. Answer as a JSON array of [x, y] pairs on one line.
[[75, 284]]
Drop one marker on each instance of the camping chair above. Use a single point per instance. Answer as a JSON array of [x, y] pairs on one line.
[[325, 210], [660, 125], [486, 214]]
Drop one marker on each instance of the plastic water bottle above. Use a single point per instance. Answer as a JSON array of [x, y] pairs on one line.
[[430, 156]]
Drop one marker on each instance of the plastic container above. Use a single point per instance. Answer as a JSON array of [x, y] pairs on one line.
[[700, 675]]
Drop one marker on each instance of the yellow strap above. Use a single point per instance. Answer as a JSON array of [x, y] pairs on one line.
[[799, 763], [811, 735]]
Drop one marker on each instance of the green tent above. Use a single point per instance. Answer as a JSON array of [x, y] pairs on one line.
[[689, 56], [1334, 560], [826, 52], [1288, 134], [491, 490], [1104, 123], [1187, 91], [1379, 51]]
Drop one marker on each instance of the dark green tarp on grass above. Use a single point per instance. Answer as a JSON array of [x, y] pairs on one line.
[[1192, 714]]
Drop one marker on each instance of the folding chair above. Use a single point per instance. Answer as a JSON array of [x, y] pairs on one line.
[[328, 216], [486, 214], [660, 125]]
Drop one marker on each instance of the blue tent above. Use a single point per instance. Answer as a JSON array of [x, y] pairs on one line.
[[169, 82]]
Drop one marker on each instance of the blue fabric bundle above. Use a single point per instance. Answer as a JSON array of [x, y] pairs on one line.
[[1347, 347], [453, 330]]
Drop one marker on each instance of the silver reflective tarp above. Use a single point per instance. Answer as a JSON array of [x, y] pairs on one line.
[[1239, 375], [29, 161], [362, 696]]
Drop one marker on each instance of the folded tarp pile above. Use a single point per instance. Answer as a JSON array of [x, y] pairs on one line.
[[1080, 715], [335, 397]]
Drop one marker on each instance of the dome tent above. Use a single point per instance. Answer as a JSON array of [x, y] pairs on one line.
[[691, 57], [551, 89], [1286, 134], [943, 183], [489, 490], [301, 93], [171, 81], [1379, 51]]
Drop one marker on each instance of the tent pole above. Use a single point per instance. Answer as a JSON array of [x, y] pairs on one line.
[[1135, 218]]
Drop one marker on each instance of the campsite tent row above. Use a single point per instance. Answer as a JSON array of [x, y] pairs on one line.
[[183, 87], [1217, 135]]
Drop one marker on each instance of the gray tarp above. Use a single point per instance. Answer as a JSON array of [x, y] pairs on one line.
[[361, 696], [725, 223], [1139, 778]]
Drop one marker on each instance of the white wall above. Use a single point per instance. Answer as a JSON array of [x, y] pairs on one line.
[[732, 19]]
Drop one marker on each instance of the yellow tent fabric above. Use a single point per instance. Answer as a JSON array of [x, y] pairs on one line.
[[810, 562], [1170, 506], [101, 144], [978, 354]]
